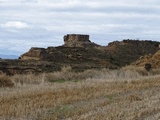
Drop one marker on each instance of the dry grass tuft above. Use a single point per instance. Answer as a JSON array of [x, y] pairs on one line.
[[28, 79], [5, 81], [133, 98], [141, 70], [65, 74]]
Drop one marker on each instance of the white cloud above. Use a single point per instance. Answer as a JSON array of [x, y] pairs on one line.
[[15, 25], [104, 20]]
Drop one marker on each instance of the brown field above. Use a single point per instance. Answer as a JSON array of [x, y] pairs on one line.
[[125, 94]]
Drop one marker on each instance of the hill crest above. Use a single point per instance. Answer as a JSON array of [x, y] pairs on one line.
[[80, 53]]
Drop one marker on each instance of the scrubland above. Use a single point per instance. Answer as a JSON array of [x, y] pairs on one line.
[[126, 94]]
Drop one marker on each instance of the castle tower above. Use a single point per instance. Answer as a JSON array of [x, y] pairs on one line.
[[76, 37], [77, 40]]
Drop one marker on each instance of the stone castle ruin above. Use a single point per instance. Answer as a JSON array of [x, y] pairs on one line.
[[78, 40], [76, 37]]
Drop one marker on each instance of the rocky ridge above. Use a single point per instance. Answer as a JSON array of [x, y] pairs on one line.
[[80, 53]]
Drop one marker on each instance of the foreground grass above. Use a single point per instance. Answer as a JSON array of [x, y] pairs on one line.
[[104, 98]]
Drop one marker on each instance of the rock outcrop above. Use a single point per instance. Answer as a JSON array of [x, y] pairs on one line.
[[152, 59], [34, 54], [11, 67]]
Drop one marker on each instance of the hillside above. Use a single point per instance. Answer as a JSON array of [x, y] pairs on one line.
[[80, 53], [127, 51], [152, 59]]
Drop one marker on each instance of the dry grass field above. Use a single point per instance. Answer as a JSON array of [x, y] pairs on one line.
[[125, 94]]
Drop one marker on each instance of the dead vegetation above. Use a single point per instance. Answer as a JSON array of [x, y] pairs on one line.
[[93, 94], [5, 81]]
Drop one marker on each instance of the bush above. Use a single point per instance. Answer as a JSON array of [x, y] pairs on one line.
[[5, 81], [65, 74]]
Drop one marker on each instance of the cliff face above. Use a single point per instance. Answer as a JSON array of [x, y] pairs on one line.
[[34, 53], [50, 53]]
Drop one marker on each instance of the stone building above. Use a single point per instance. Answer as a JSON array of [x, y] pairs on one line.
[[76, 37], [78, 40]]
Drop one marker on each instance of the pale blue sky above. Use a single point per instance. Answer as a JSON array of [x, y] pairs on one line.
[[41, 23]]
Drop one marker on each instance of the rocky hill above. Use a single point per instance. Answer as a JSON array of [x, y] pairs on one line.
[[73, 44], [128, 51], [80, 53]]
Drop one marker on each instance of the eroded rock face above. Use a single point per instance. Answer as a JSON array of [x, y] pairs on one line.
[[12, 67], [34, 53], [152, 59], [78, 40]]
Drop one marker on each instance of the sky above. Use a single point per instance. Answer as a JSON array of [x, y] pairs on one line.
[[42, 23]]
